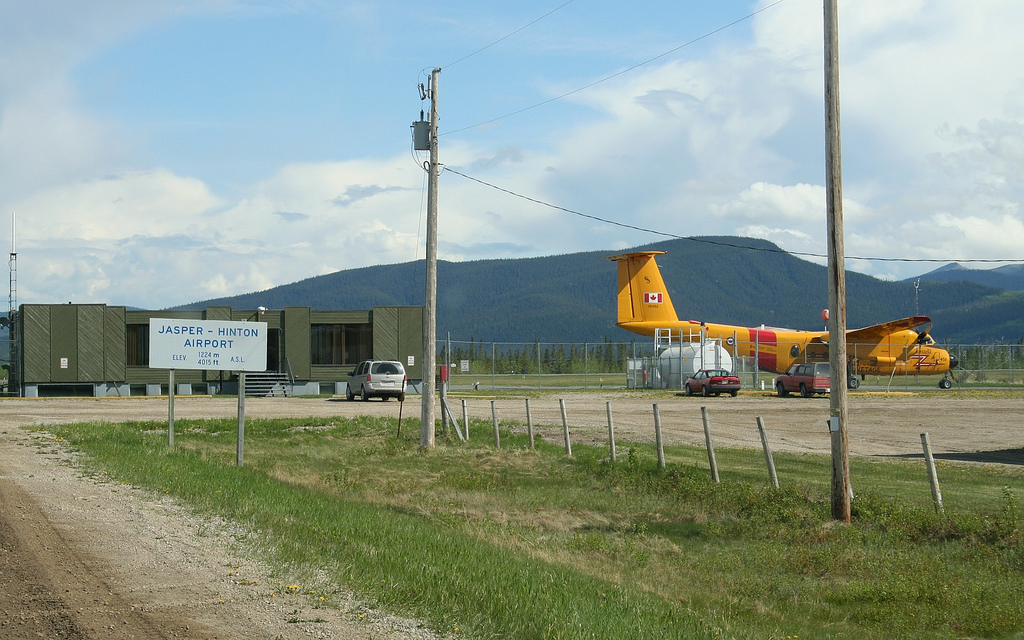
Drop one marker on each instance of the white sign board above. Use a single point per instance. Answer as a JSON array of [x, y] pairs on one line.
[[207, 344]]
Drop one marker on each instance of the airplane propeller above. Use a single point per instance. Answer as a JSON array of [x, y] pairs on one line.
[[922, 337], [954, 362]]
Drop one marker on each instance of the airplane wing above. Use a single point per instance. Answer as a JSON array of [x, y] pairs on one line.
[[878, 332]]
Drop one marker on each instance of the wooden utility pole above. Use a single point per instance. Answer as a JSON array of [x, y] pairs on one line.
[[430, 296], [836, 272]]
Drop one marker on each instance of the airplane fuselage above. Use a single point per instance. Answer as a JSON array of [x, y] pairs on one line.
[[888, 349], [775, 350]]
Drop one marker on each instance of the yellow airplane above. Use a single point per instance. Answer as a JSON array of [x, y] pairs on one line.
[[888, 349]]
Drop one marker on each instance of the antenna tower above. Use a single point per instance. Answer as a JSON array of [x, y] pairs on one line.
[[14, 371]]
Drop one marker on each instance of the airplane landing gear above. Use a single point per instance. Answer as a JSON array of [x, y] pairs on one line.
[[945, 383], [852, 382]]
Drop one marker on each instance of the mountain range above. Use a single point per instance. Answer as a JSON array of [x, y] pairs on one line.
[[1009, 277], [572, 297]]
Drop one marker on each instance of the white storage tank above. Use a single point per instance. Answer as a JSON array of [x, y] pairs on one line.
[[676, 363]]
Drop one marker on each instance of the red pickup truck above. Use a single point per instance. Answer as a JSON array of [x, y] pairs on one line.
[[808, 378]]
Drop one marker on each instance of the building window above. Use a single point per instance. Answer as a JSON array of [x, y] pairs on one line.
[[340, 344], [138, 345]]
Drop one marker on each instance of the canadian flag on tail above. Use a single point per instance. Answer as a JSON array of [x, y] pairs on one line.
[[652, 298]]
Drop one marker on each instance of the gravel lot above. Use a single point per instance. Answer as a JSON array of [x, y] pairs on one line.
[[81, 557]]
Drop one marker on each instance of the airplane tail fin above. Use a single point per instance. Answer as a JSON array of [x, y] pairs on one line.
[[642, 293]]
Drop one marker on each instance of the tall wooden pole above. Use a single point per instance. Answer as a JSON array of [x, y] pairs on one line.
[[430, 295], [836, 272]]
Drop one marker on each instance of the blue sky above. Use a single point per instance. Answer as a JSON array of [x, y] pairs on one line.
[[158, 153]]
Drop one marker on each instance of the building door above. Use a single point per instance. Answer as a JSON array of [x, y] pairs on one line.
[[273, 350]]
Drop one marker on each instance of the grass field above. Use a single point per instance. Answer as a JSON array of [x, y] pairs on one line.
[[515, 543]]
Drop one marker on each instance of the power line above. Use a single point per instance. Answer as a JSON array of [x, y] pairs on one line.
[[716, 242], [617, 73], [529, 24]]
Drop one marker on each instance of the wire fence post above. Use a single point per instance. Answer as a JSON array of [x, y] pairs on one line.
[[529, 423], [465, 419], [538, 366], [710, 445], [769, 460], [933, 477], [657, 438], [586, 365], [611, 432], [565, 427], [494, 419]]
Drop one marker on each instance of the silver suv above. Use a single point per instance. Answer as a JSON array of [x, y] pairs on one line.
[[382, 378]]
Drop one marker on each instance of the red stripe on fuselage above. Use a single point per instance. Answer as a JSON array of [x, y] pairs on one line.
[[767, 359]]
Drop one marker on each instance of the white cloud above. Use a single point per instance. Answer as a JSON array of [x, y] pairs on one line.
[[995, 236], [150, 203], [715, 140], [681, 144], [46, 135], [802, 203], [44, 139]]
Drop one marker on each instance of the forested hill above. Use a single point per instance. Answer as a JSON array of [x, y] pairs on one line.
[[572, 297], [1009, 277]]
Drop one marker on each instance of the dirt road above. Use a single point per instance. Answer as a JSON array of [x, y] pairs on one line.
[[83, 558]]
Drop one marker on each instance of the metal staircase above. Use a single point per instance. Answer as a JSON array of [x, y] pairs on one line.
[[268, 384]]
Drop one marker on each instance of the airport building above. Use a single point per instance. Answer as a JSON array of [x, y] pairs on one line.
[[99, 350]]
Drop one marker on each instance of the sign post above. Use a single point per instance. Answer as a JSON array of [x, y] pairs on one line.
[[170, 408], [240, 446], [225, 345]]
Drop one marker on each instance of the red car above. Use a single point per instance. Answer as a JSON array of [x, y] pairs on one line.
[[712, 382]]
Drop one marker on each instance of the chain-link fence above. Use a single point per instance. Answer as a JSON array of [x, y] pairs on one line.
[[998, 364], [644, 363], [539, 365]]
